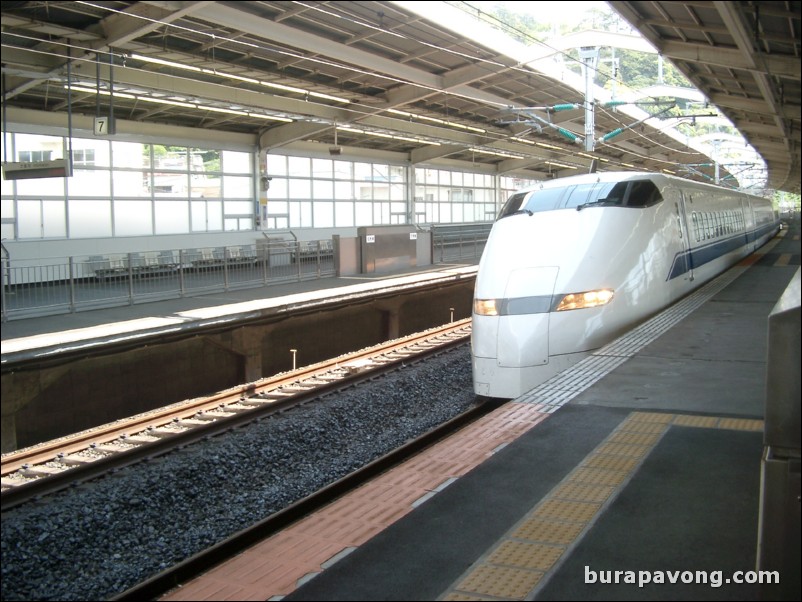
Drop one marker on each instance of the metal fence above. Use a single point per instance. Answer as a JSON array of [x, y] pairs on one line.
[[76, 284], [82, 283], [456, 242]]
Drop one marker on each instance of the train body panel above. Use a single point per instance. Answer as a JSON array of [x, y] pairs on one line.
[[572, 264]]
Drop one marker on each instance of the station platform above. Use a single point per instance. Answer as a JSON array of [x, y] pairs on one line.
[[58, 334], [636, 475]]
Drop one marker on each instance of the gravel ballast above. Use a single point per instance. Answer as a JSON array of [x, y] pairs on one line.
[[96, 540]]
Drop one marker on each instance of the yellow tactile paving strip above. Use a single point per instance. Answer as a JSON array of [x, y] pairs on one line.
[[520, 560], [511, 570], [274, 567]]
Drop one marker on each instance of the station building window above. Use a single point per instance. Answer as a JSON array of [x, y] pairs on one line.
[[40, 218], [309, 192], [121, 188], [446, 196], [35, 156], [124, 188]]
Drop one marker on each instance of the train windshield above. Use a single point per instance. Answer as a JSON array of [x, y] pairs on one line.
[[531, 202], [632, 193], [581, 195]]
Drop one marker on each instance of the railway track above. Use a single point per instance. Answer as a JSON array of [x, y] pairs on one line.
[[176, 576], [52, 466]]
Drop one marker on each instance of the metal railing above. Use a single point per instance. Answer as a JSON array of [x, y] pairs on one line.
[[75, 284], [461, 241]]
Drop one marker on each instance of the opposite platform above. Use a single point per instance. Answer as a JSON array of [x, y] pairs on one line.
[[60, 333]]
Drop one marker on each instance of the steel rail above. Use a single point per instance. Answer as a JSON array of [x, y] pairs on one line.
[[209, 416]]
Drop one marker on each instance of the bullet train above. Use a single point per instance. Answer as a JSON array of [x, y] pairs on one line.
[[573, 263]]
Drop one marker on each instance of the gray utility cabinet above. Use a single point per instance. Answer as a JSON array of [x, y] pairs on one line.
[[387, 248]]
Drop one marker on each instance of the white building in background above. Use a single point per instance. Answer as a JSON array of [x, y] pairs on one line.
[[144, 195]]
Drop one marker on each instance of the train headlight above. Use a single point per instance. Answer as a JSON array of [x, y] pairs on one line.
[[486, 307], [585, 300]]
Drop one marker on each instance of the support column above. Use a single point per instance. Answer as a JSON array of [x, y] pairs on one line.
[[393, 323], [590, 58], [391, 311], [247, 343]]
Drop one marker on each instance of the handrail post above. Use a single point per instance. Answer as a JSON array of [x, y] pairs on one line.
[[181, 285], [4, 266], [226, 257], [130, 278], [71, 268]]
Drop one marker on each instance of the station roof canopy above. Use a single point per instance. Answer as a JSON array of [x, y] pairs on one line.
[[745, 58], [372, 78]]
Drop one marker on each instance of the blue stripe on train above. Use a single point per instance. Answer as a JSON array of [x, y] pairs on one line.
[[695, 258]]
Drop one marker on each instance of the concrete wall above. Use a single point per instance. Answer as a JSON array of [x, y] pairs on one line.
[[53, 401]]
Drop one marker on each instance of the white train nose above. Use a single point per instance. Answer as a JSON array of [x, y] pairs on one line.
[[506, 346], [523, 341], [523, 329]]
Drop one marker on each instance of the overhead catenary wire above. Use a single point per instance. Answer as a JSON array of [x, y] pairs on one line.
[[564, 155], [489, 135]]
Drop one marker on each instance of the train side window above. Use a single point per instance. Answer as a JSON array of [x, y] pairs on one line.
[[513, 204], [696, 226]]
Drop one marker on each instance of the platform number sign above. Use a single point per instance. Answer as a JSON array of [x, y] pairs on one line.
[[104, 126]]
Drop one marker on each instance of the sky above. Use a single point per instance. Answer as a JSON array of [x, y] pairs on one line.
[[548, 12]]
